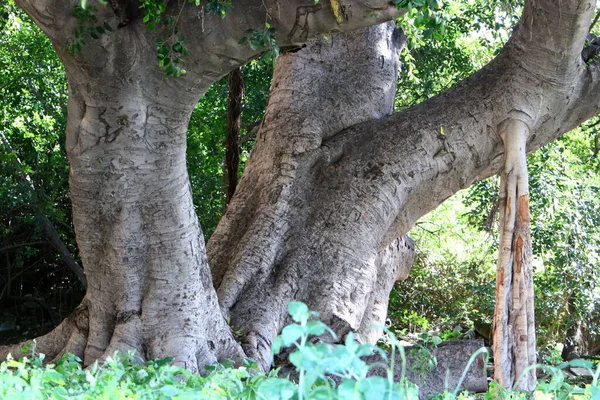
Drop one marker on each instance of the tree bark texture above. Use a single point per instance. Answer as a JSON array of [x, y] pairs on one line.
[[282, 237], [321, 198], [234, 122], [514, 322], [331, 187]]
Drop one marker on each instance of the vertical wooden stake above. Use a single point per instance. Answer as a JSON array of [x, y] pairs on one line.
[[514, 324]]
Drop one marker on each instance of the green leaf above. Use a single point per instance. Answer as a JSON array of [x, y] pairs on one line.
[[298, 311], [316, 328], [277, 345], [436, 340], [291, 333], [169, 390], [276, 388]]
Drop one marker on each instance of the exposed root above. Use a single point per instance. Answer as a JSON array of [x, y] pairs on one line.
[[71, 336]]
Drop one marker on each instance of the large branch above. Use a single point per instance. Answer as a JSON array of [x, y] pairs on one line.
[[428, 153], [129, 51]]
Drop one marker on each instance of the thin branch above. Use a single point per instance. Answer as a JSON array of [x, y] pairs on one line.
[[15, 246], [49, 229], [594, 21]]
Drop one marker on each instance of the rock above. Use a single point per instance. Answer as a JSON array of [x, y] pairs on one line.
[[452, 358]]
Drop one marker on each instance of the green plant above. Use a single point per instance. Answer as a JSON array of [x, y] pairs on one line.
[[449, 334], [263, 38], [87, 26], [423, 358], [314, 362], [125, 376]]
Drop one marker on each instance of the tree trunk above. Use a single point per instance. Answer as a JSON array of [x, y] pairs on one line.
[[287, 234], [514, 326], [149, 285], [141, 242], [234, 122]]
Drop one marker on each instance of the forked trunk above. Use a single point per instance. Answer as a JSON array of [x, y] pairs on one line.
[[514, 324], [293, 232]]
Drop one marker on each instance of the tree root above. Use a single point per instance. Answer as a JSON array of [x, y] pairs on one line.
[[71, 336]]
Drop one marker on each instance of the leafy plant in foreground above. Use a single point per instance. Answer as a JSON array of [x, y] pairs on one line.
[[325, 371]]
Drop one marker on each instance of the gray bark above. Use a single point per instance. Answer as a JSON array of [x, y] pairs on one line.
[[277, 242], [149, 286], [452, 359]]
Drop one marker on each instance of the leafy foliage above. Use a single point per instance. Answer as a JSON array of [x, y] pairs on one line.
[[36, 289], [262, 38], [87, 26], [447, 42], [124, 376], [206, 132], [565, 229]]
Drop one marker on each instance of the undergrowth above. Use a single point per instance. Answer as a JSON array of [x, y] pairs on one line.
[[323, 371]]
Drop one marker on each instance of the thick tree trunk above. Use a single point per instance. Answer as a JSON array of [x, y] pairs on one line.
[[149, 287], [325, 192], [277, 241]]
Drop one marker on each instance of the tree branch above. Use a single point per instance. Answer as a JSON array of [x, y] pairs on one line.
[[550, 36], [49, 229], [451, 141]]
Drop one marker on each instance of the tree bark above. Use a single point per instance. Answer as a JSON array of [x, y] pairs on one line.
[[278, 241], [149, 286], [325, 192], [514, 326], [234, 122]]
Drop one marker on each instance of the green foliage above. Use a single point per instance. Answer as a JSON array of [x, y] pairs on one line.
[[87, 26], [565, 223], [124, 376], [36, 290], [452, 280], [206, 132], [219, 7], [169, 54], [423, 358], [263, 38], [447, 42], [153, 11]]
